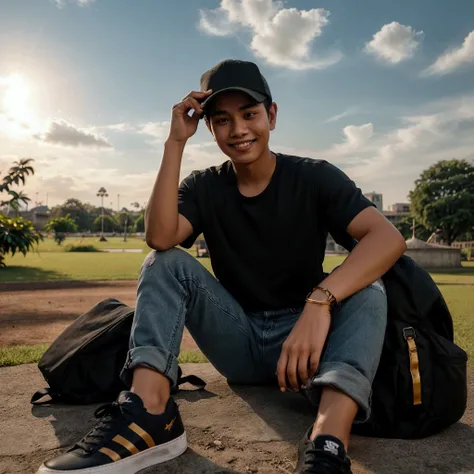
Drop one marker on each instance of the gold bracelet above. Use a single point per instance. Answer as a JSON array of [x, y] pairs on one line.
[[329, 302]]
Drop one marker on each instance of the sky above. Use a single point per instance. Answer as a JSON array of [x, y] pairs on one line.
[[381, 89]]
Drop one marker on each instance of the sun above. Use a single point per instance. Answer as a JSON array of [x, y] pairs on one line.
[[19, 117]]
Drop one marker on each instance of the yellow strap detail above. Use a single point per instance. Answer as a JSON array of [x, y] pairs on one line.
[[143, 434], [126, 444], [414, 370], [111, 454]]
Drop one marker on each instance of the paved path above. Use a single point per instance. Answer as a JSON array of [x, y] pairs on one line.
[[256, 430]]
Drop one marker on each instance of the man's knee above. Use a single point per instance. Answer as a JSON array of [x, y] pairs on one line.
[[371, 299], [171, 257]]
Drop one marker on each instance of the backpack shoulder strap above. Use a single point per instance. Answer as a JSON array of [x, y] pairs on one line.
[[35, 399], [193, 380]]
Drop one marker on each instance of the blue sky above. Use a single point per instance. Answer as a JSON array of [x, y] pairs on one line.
[[382, 89]]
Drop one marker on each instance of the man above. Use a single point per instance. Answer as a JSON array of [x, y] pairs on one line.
[[270, 315]]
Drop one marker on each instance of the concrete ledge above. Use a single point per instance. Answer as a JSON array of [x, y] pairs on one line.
[[230, 429]]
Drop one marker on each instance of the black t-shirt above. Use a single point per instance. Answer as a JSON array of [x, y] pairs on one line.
[[268, 250]]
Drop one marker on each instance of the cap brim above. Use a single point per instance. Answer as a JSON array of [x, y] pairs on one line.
[[253, 94]]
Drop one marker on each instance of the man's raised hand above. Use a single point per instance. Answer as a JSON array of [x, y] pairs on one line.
[[183, 126]]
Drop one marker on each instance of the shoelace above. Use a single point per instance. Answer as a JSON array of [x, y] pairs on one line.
[[315, 463], [111, 416]]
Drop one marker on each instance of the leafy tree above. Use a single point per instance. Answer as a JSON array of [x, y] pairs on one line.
[[110, 224], [405, 226], [443, 198], [77, 210], [16, 234], [60, 226], [16, 174], [140, 224]]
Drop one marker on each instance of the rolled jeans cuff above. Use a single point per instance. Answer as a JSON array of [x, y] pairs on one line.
[[348, 380], [154, 358]]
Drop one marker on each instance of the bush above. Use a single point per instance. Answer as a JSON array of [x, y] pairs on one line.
[[81, 248], [60, 226], [17, 235], [466, 254]]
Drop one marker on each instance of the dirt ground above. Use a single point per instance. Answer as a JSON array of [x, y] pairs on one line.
[[36, 313]]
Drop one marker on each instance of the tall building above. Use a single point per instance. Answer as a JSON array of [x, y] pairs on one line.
[[376, 198], [400, 207]]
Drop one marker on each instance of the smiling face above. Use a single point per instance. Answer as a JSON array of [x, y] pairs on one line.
[[240, 126]]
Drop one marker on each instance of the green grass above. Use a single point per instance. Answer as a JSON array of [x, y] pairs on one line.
[[460, 300], [72, 266], [17, 355], [50, 266], [49, 245], [457, 286]]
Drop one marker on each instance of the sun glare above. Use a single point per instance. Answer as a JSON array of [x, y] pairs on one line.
[[19, 118]]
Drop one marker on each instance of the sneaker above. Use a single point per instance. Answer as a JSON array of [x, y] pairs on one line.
[[324, 455], [126, 440]]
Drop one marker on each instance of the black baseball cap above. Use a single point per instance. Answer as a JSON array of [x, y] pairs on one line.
[[235, 75]]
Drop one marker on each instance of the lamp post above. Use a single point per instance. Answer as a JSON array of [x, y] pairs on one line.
[[102, 192]]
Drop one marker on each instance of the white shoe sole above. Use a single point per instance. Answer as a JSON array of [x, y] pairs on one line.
[[132, 464]]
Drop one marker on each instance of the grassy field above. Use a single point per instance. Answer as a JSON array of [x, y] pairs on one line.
[[460, 299], [49, 245], [17, 355], [50, 264], [47, 265]]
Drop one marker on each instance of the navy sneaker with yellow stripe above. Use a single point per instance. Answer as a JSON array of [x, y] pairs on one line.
[[126, 440]]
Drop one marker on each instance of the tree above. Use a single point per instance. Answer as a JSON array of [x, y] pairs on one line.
[[443, 198], [140, 223], [16, 234], [60, 226], [125, 221], [18, 172], [405, 226], [109, 224], [77, 210]]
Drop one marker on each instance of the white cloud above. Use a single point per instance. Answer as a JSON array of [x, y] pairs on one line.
[[64, 133], [157, 130], [340, 116], [120, 127], [390, 161], [281, 36], [455, 58], [81, 3], [357, 136], [394, 42]]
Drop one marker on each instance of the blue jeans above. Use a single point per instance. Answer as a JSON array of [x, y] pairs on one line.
[[175, 291]]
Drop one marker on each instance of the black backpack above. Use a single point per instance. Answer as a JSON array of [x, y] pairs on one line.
[[420, 386], [83, 363]]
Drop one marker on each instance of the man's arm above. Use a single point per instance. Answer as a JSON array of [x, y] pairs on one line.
[[164, 226], [379, 246]]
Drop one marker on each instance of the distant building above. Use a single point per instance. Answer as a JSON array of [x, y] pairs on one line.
[[402, 207], [397, 212], [39, 216], [376, 198], [332, 247]]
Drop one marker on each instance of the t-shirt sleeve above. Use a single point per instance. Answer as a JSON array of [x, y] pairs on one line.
[[341, 200], [188, 207]]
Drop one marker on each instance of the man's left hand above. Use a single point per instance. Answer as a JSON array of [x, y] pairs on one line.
[[302, 349]]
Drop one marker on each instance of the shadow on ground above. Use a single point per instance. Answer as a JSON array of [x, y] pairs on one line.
[[26, 274], [231, 429], [450, 452]]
